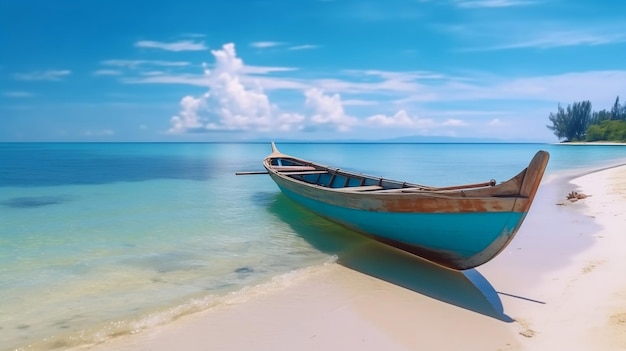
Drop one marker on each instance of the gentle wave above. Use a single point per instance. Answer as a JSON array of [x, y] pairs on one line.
[[132, 325]]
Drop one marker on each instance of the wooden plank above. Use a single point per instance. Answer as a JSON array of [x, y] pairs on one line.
[[303, 172], [404, 190], [359, 188], [293, 168], [251, 173], [490, 183]]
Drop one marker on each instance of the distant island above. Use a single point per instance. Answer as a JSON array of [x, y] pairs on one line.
[[578, 122]]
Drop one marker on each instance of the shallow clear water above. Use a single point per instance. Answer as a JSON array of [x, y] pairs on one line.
[[103, 239]]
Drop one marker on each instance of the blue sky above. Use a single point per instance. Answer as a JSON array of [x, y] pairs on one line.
[[86, 70]]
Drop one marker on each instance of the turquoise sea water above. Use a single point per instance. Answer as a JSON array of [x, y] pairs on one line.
[[98, 240]]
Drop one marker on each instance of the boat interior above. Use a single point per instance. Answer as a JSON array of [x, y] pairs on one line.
[[341, 180]]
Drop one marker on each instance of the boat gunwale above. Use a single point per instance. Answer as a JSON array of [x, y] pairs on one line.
[[406, 189]]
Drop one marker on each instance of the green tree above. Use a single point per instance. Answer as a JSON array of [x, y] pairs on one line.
[[581, 116], [616, 111], [607, 130], [598, 117], [559, 120], [571, 124], [616, 131], [595, 132]]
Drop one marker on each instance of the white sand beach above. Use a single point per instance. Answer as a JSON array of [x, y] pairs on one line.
[[585, 302], [560, 285]]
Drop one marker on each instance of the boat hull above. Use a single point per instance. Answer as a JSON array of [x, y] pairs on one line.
[[456, 240], [458, 227]]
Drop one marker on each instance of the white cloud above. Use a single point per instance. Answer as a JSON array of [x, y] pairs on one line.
[[137, 63], [268, 83], [496, 122], [550, 88], [359, 102], [185, 79], [562, 87], [399, 119], [152, 73], [273, 44], [328, 110], [516, 34], [453, 122], [272, 83], [188, 118], [237, 102], [265, 44], [401, 76], [287, 122], [107, 72], [233, 102], [50, 75], [377, 82], [183, 45], [266, 69], [553, 39], [403, 120], [303, 47], [385, 82]]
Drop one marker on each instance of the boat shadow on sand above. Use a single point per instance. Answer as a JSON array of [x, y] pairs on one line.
[[467, 289]]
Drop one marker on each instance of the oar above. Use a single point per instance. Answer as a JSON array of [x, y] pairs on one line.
[[251, 173]]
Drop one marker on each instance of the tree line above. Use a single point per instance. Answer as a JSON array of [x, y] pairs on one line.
[[577, 122]]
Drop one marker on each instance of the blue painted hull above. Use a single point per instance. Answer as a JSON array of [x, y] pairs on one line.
[[455, 240]]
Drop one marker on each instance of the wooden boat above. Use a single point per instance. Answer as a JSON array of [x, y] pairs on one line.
[[458, 227]]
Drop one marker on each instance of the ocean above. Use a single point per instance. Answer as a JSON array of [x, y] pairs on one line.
[[99, 240]]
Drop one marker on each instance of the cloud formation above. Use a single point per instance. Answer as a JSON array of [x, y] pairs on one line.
[[560, 38], [401, 119], [50, 75], [107, 72], [273, 44], [236, 101], [328, 111], [265, 44], [183, 45], [303, 47], [138, 63], [232, 102]]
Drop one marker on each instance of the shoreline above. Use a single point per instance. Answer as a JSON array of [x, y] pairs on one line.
[[586, 300], [590, 143], [379, 298]]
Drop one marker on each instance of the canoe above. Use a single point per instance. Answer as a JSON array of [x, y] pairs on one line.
[[458, 227]]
